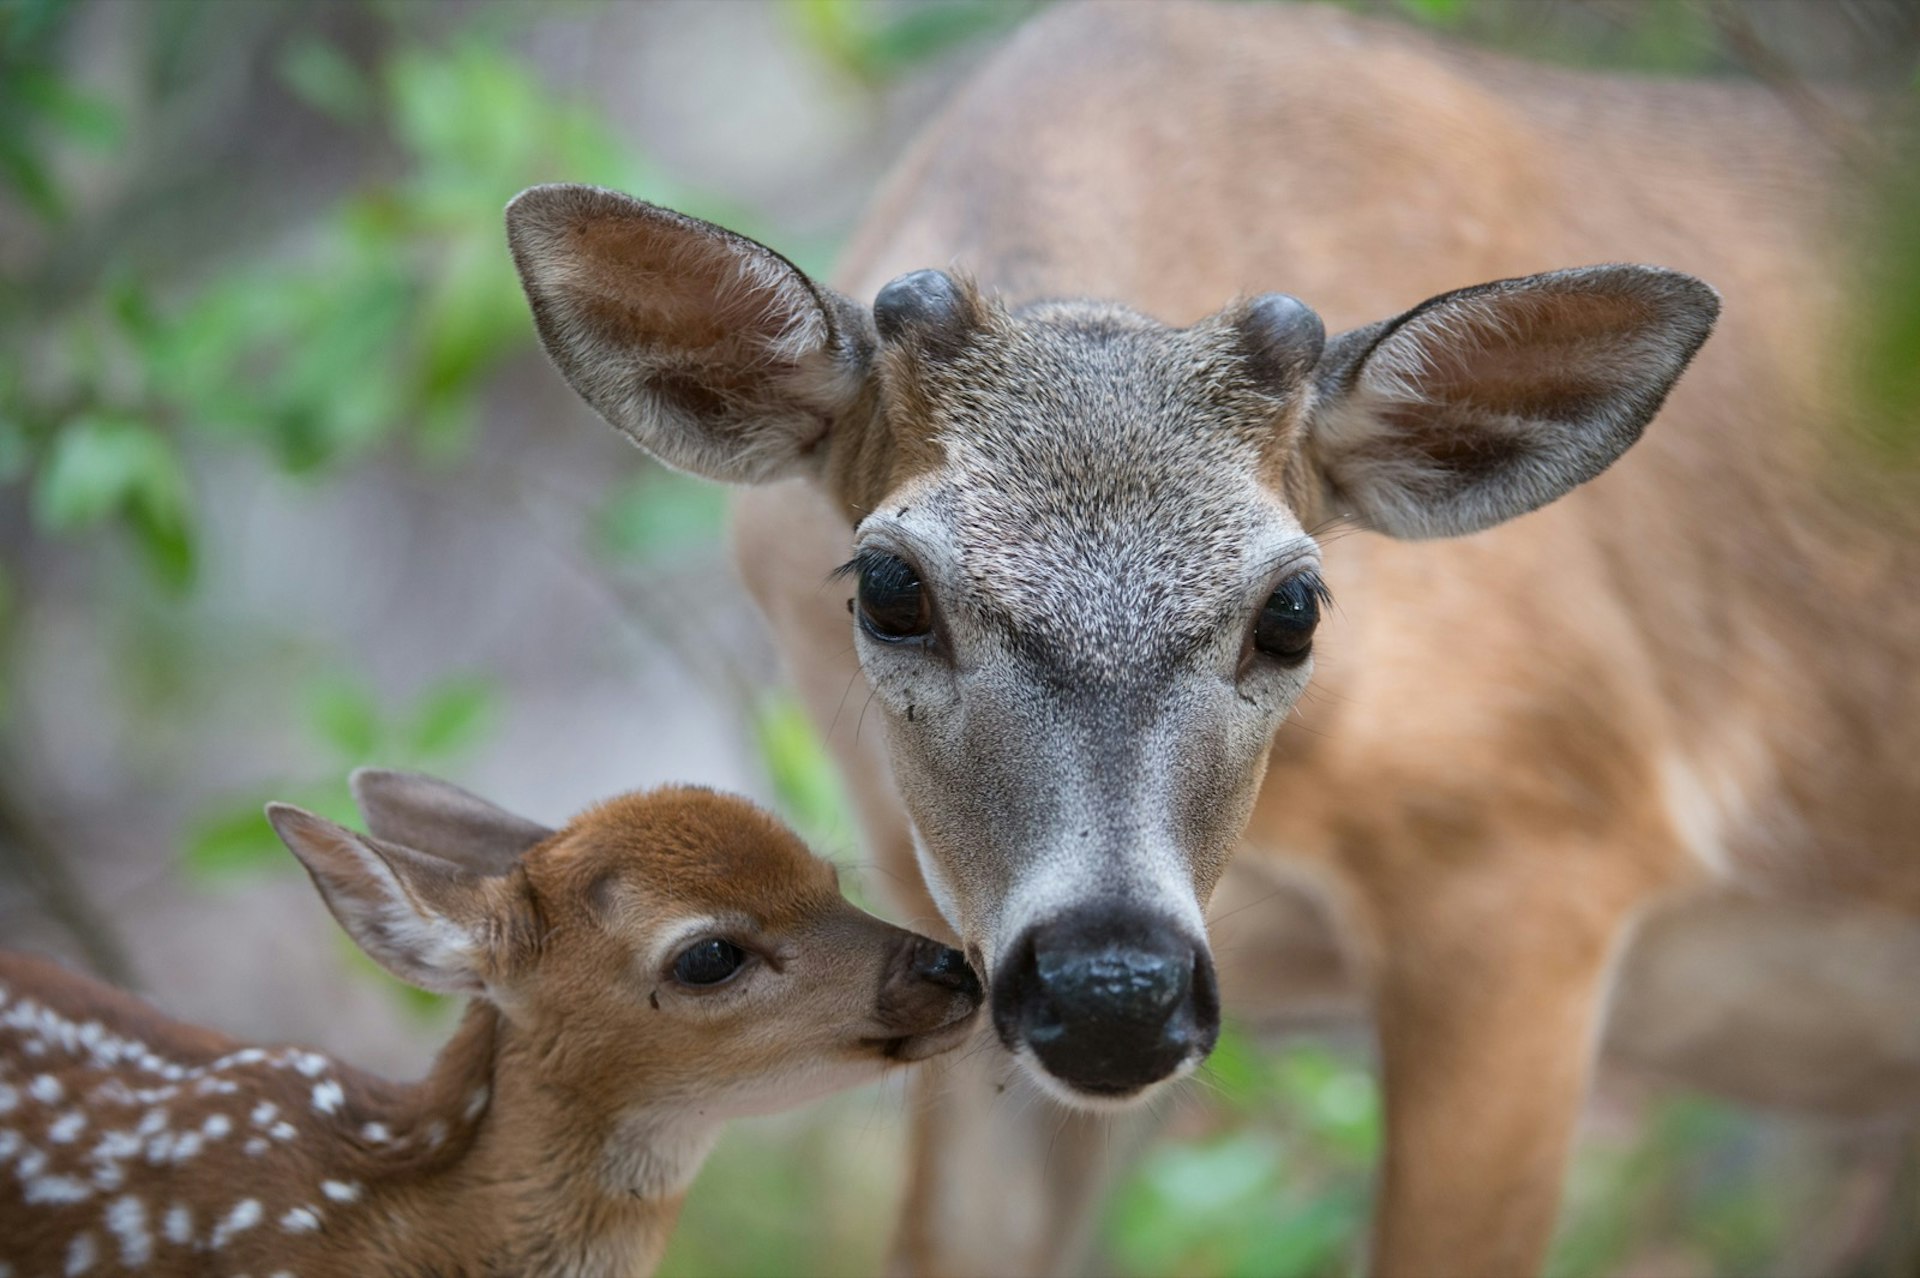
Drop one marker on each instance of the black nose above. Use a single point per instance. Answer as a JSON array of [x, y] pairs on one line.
[[948, 968], [1110, 999]]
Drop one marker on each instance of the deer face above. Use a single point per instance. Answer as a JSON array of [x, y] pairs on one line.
[[1085, 585], [677, 952]]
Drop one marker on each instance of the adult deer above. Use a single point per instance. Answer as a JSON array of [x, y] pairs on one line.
[[1090, 560], [665, 961]]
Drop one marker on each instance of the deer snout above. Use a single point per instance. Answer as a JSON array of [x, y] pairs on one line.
[[1108, 1001], [928, 999]]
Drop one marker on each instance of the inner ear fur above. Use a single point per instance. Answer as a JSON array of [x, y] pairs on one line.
[[711, 351], [443, 820], [1484, 403], [430, 922]]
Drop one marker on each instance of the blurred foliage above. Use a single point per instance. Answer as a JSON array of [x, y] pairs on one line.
[[1889, 327], [875, 42], [372, 325], [346, 719], [1278, 1186]]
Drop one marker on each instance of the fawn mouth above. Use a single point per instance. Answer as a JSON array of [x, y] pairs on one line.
[[907, 1048]]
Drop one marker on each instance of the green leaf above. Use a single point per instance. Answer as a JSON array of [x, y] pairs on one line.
[[1437, 12], [99, 466], [343, 715], [452, 716], [235, 842], [102, 467], [86, 118], [234, 837], [30, 179], [322, 77], [803, 777], [657, 513]]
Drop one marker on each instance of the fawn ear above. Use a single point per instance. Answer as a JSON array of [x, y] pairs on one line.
[[712, 352], [428, 921], [443, 820], [1485, 403]]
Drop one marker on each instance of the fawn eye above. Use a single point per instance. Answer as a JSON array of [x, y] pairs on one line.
[[708, 962], [892, 603], [1284, 628]]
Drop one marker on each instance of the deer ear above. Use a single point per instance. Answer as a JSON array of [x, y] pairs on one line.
[[712, 352], [431, 923], [441, 819], [1488, 402]]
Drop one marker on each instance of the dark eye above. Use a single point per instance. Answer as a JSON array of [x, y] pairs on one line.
[[708, 962], [893, 603], [1284, 629]]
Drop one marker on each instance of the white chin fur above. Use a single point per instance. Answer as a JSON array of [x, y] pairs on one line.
[[1058, 1091]]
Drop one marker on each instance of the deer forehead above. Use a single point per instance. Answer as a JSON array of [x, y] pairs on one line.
[[643, 863], [1092, 468]]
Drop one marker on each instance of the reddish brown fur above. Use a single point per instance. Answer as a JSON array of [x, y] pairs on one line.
[[554, 1134]]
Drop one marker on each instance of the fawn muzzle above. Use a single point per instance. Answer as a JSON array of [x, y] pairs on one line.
[[928, 996], [1108, 1001]]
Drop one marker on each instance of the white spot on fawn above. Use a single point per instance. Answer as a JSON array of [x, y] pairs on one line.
[[179, 1225], [312, 1064], [57, 1189], [46, 1089], [245, 1215], [256, 1146], [327, 1096], [67, 1128], [263, 1113], [127, 1221], [81, 1253], [341, 1191], [9, 1099], [283, 1131], [216, 1126], [376, 1133], [300, 1220]]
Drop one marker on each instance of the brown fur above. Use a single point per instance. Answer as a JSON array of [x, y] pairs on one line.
[[1479, 800], [555, 1133], [1682, 686]]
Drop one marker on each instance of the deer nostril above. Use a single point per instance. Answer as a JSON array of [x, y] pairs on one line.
[[947, 968]]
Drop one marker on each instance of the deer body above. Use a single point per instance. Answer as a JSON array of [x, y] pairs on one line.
[[556, 1133], [1521, 746]]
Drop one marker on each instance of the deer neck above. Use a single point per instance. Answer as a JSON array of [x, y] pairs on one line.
[[540, 1176]]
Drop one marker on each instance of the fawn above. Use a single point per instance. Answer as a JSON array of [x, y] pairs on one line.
[[664, 962]]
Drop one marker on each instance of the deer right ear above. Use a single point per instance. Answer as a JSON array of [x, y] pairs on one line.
[[441, 819], [712, 352], [431, 923]]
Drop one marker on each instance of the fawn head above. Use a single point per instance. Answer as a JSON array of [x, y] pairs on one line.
[[673, 950], [1084, 564]]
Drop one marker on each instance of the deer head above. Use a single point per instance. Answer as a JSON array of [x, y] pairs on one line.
[[678, 950], [1086, 577]]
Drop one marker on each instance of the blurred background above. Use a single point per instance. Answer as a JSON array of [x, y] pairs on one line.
[[286, 487]]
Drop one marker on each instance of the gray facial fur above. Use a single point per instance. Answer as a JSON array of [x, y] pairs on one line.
[[1096, 540]]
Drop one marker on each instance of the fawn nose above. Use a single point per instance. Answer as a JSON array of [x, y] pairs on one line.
[[1109, 1001], [947, 967]]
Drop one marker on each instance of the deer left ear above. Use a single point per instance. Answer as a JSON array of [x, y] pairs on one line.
[[1485, 403], [430, 922], [712, 352]]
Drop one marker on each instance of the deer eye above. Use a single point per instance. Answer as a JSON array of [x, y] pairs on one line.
[[1284, 628], [708, 962], [892, 603]]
